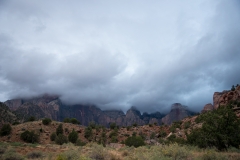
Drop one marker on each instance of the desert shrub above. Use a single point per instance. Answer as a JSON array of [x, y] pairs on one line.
[[152, 136], [16, 123], [98, 153], [80, 143], [73, 136], [60, 139], [29, 137], [11, 155], [187, 125], [162, 134], [59, 129], [113, 125], [53, 136], [128, 128], [88, 133], [35, 155], [176, 151], [31, 119], [2, 150], [66, 120], [5, 130], [92, 125], [74, 121], [135, 141], [114, 139], [172, 128], [150, 125], [134, 124], [46, 121], [113, 133], [141, 134], [103, 139]]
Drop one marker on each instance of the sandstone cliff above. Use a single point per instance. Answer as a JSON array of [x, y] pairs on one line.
[[223, 98], [52, 107], [177, 113]]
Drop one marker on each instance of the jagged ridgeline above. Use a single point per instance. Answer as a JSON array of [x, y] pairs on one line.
[[47, 106]]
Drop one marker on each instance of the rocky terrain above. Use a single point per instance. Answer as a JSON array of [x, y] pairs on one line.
[[52, 107]]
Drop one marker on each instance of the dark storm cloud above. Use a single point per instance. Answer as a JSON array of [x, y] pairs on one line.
[[119, 54]]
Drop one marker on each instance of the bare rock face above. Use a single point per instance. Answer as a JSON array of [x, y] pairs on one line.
[[14, 104], [51, 107], [177, 113], [223, 98], [6, 115], [207, 107], [133, 116]]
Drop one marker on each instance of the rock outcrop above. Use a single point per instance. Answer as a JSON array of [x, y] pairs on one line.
[[177, 113], [207, 107], [7, 116], [223, 98]]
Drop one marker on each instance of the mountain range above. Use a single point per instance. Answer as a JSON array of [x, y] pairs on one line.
[[48, 106]]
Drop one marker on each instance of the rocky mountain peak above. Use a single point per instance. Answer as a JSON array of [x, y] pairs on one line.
[[177, 113]]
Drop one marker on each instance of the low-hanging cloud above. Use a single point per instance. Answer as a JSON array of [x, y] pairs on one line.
[[120, 54]]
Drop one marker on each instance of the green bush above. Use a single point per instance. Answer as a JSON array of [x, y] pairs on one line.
[[113, 125], [60, 139], [59, 129], [187, 125], [66, 120], [31, 119], [135, 141], [46, 121], [74, 121], [220, 129], [152, 136], [53, 136], [73, 136], [80, 143], [29, 137], [162, 134], [88, 133], [5, 130]]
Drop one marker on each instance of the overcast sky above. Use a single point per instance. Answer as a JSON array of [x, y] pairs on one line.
[[118, 54]]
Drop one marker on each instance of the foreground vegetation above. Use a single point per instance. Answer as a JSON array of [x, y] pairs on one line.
[[93, 151]]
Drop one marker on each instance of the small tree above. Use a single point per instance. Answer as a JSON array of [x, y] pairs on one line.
[[135, 141], [88, 133], [29, 137], [53, 136], [66, 120], [220, 129], [46, 121], [73, 136], [59, 129], [233, 88], [113, 125], [60, 139], [5, 130], [74, 121], [31, 119]]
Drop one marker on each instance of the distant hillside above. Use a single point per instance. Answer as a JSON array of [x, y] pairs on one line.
[[7, 116]]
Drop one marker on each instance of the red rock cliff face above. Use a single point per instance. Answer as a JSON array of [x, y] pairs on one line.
[[223, 98], [52, 107], [177, 113]]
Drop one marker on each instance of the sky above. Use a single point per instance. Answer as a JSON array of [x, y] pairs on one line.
[[118, 54]]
